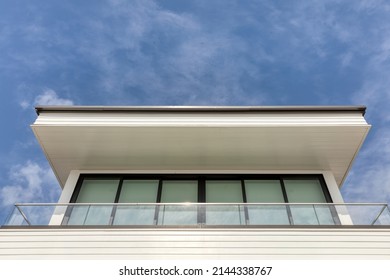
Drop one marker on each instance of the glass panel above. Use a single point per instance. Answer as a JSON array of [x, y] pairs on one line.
[[16, 218], [304, 215], [137, 191], [302, 191], [384, 218], [224, 192], [178, 215], [78, 214], [98, 191], [94, 191], [363, 215], [324, 214], [98, 215], [265, 191], [268, 215], [178, 192], [307, 191]]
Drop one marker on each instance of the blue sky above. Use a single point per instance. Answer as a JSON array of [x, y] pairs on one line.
[[219, 52]]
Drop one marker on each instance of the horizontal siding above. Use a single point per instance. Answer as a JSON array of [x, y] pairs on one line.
[[195, 244]]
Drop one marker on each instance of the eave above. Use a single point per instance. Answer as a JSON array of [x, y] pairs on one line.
[[201, 138]]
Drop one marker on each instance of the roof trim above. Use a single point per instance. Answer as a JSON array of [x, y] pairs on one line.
[[209, 109]]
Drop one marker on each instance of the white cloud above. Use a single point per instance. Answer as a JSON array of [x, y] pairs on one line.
[[50, 97], [24, 104], [369, 177], [47, 97], [30, 183]]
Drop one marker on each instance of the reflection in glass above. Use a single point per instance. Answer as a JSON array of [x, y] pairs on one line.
[[134, 215], [225, 215], [137, 191], [303, 215], [178, 192], [78, 215], [177, 215], [94, 191], [307, 191], [268, 215], [98, 215], [265, 191]]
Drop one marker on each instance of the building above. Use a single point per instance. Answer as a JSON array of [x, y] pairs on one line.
[[199, 182]]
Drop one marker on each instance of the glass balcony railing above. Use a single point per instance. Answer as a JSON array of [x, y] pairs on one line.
[[199, 214]]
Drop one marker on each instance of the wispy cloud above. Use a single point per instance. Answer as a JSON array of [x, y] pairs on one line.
[[369, 179], [146, 54], [47, 97], [204, 52], [30, 182], [50, 97]]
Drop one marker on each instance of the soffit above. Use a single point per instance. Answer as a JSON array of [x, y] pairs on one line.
[[200, 141]]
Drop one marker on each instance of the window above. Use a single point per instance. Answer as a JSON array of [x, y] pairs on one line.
[[178, 192], [225, 200], [136, 191], [307, 191], [221, 191], [266, 191], [94, 191]]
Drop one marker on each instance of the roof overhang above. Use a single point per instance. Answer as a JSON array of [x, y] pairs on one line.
[[201, 138]]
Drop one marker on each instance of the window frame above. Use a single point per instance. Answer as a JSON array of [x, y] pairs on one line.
[[201, 179]]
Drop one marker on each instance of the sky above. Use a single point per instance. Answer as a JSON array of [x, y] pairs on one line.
[[178, 52]]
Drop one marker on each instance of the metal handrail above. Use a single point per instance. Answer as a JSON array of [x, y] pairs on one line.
[[338, 211], [194, 203]]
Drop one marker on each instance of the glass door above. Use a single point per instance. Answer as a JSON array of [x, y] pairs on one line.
[[266, 191], [308, 191], [137, 191], [183, 191], [224, 192], [94, 191]]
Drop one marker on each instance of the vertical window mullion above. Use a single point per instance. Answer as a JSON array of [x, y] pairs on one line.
[[283, 190], [159, 191], [329, 199], [244, 199], [289, 213], [201, 199], [158, 200], [118, 193]]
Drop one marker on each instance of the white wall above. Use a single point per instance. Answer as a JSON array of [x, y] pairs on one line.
[[65, 197]]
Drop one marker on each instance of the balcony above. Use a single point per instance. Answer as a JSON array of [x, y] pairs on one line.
[[199, 214]]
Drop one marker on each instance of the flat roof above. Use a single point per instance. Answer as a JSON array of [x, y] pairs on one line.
[[201, 138], [360, 108]]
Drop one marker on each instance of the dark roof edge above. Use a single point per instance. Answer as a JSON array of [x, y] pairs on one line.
[[39, 109]]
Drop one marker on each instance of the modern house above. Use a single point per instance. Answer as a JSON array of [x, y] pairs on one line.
[[199, 182]]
